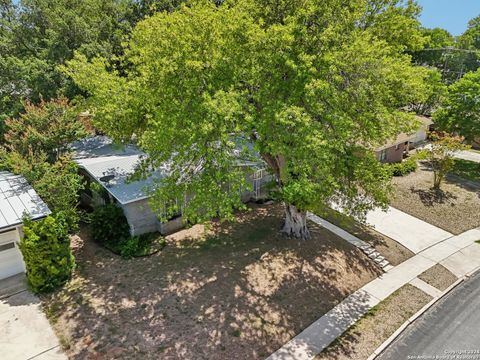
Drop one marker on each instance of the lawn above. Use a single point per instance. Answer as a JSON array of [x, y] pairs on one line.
[[455, 208], [227, 291], [467, 169]]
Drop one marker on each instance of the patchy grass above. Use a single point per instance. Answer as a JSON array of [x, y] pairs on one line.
[[467, 169], [454, 208], [367, 334], [438, 276], [227, 291], [393, 251]]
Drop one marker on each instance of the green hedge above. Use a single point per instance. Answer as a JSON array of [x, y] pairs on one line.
[[110, 228], [403, 168], [47, 254]]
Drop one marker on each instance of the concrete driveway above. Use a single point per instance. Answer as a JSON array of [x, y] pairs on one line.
[[415, 234], [468, 155], [25, 332]]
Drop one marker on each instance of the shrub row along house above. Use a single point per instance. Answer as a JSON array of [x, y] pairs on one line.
[[17, 198], [107, 167], [395, 150]]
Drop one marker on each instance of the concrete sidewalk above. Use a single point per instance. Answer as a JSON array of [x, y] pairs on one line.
[[459, 254], [25, 332], [413, 233]]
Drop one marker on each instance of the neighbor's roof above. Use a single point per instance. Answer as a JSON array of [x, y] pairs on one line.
[[100, 157], [17, 198], [404, 137]]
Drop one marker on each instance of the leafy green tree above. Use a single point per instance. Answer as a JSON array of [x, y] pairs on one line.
[[300, 81], [460, 112], [470, 39], [48, 127], [435, 92], [441, 153], [438, 38]]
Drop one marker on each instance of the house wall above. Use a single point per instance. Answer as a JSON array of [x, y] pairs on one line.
[[393, 154], [140, 217]]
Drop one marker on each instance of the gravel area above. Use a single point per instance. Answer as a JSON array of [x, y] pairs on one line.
[[393, 251], [438, 276], [226, 291], [365, 336], [454, 209]]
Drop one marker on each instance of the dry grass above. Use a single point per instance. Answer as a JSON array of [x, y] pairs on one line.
[[454, 209], [438, 276], [393, 251], [365, 336], [231, 291]]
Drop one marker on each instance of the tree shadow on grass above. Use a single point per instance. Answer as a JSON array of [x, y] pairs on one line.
[[432, 197], [239, 292]]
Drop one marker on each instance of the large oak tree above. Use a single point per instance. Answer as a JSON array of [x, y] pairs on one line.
[[314, 86]]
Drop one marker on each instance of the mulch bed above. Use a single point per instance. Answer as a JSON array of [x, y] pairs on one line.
[[227, 291], [455, 208]]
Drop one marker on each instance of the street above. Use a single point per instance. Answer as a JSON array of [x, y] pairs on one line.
[[450, 328]]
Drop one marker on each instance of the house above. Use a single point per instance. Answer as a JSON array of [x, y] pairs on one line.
[[17, 198], [395, 150], [106, 168]]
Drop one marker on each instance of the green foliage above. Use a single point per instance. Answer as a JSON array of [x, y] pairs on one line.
[[467, 169], [108, 224], [46, 251], [435, 92], [300, 80], [470, 39], [403, 168], [438, 38], [110, 228], [441, 155], [460, 112], [48, 127]]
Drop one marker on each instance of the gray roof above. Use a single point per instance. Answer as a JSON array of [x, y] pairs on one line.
[[100, 157], [17, 198]]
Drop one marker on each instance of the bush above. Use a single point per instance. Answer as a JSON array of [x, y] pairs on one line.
[[47, 254], [403, 168], [109, 224]]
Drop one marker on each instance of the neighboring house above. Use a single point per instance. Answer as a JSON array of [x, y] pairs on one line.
[[108, 165], [397, 149], [17, 198]]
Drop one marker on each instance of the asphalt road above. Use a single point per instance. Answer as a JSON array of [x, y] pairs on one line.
[[449, 330]]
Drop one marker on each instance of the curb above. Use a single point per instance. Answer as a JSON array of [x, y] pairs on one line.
[[419, 313]]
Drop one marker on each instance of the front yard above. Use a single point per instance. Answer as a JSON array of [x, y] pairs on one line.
[[454, 209], [230, 291]]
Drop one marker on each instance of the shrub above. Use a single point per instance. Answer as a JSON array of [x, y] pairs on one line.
[[47, 254], [109, 224], [403, 168]]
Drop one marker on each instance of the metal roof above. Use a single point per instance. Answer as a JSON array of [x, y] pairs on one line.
[[100, 157], [18, 198]]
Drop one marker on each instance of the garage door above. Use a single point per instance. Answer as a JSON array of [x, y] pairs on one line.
[[11, 261]]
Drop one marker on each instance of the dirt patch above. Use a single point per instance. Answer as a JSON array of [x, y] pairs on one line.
[[393, 251], [365, 336], [438, 276], [227, 291], [454, 208]]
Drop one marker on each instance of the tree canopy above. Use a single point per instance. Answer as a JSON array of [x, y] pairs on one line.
[[460, 112], [313, 86]]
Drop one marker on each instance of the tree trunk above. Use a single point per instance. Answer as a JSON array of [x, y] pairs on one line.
[[295, 223]]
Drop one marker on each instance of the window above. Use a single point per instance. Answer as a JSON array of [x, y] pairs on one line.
[[383, 155], [7, 246]]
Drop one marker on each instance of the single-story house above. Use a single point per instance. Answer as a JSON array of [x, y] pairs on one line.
[[395, 150], [17, 198], [109, 165]]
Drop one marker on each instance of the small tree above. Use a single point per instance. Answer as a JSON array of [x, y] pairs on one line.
[[441, 155], [47, 254]]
